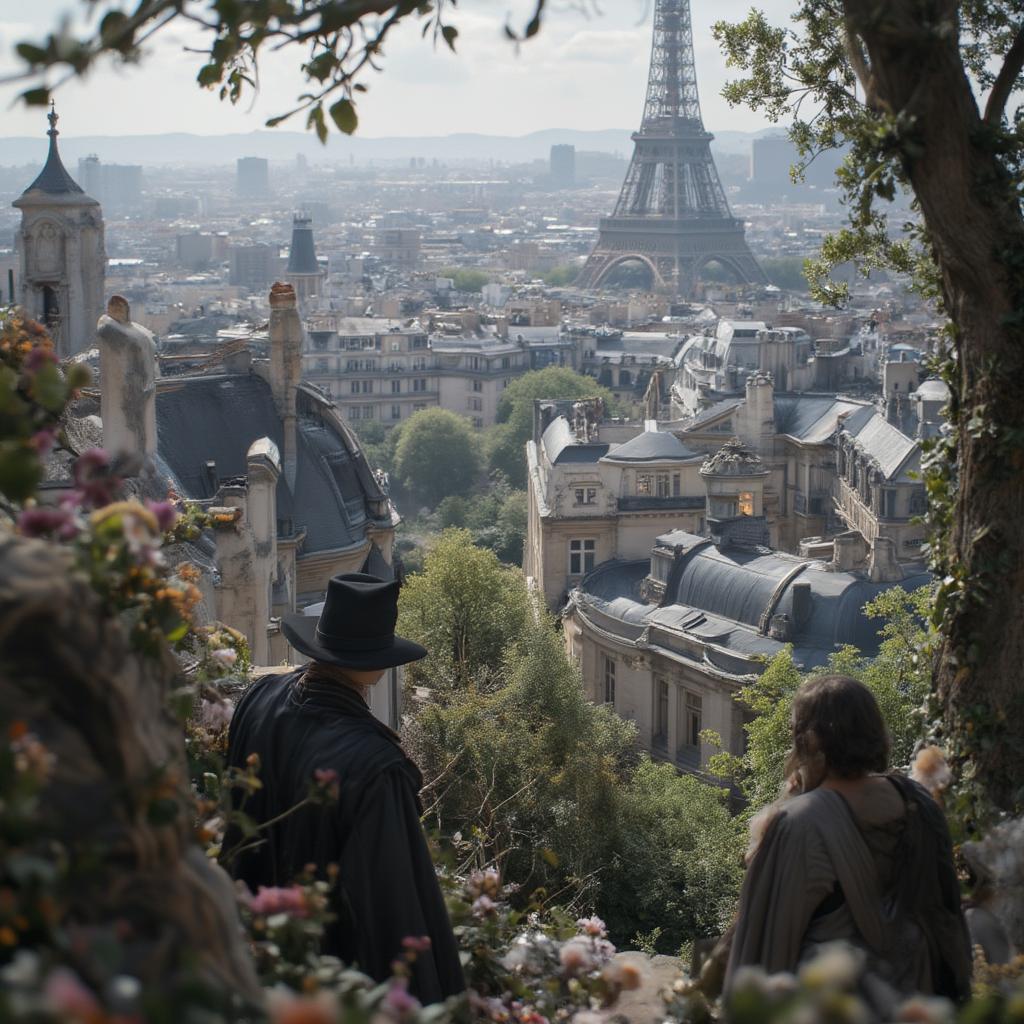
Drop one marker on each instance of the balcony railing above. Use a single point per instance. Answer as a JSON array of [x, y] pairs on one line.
[[650, 502]]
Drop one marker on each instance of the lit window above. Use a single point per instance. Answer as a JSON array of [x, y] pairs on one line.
[[609, 680], [746, 503], [581, 556], [645, 483]]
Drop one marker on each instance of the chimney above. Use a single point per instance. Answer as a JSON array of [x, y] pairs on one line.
[[882, 564], [848, 550], [128, 373], [286, 369], [247, 549], [801, 607], [757, 419]]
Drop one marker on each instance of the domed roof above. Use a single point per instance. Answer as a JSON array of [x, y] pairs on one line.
[[933, 390], [650, 446], [734, 458]]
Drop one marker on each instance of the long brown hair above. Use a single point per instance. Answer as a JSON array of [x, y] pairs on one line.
[[837, 718]]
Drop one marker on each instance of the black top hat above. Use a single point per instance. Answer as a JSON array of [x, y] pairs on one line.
[[356, 628]]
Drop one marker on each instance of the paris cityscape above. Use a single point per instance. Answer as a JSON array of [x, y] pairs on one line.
[[533, 540]]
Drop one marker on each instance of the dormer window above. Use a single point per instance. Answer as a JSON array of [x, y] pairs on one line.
[[586, 495]]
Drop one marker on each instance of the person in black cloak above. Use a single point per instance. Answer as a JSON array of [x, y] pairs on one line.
[[314, 723]]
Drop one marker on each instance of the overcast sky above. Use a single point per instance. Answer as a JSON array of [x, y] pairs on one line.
[[583, 71]]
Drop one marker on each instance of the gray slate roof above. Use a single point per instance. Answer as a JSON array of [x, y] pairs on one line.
[[650, 446], [721, 598], [217, 418], [54, 178], [811, 418], [561, 446], [897, 455]]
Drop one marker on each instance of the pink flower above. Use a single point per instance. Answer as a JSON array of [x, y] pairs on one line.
[[483, 906], [575, 957], [416, 943], [399, 1003], [166, 514], [67, 996], [46, 520], [289, 900], [327, 779], [224, 657], [286, 1007], [592, 926], [215, 715], [485, 883]]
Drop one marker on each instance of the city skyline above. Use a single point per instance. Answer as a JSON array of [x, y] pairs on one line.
[[559, 80]]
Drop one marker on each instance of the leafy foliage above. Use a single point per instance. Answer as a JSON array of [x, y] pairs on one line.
[[521, 762], [436, 456], [465, 608], [507, 439], [465, 279]]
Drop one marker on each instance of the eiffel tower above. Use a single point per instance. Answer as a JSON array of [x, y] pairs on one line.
[[672, 214]]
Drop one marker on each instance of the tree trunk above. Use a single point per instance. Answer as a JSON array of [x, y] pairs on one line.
[[133, 893], [974, 222]]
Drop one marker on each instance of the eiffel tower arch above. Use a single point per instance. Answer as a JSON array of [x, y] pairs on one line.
[[672, 214]]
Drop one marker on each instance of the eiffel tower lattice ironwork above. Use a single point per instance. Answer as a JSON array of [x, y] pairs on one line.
[[672, 212]]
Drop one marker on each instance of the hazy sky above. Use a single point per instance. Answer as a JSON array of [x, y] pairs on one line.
[[583, 71]]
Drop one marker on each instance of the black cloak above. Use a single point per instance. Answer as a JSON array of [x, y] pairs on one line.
[[387, 889]]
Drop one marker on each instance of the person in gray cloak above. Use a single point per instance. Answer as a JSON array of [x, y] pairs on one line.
[[853, 853]]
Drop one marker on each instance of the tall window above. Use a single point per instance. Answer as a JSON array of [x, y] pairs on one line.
[[396, 412], [367, 387], [677, 488], [692, 720], [354, 387], [662, 485], [609, 679], [396, 387], [581, 556], [746, 503], [478, 385], [586, 495], [661, 711], [645, 483]]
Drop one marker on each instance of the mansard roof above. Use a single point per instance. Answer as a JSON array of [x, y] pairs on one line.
[[561, 445], [206, 424], [726, 599]]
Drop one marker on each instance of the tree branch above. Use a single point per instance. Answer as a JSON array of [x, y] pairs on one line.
[[1005, 80]]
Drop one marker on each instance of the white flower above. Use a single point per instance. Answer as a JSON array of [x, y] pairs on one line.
[[837, 966], [224, 657], [216, 714]]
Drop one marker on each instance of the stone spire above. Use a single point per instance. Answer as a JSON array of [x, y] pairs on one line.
[[54, 178]]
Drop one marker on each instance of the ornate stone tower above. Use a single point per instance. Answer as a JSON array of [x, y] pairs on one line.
[[61, 255], [672, 213]]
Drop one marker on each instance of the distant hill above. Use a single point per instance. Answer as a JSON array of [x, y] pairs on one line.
[[183, 148]]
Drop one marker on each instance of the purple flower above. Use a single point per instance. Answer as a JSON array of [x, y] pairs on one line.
[[166, 514], [93, 479], [43, 441], [47, 520], [39, 357], [416, 943], [279, 900], [399, 1003]]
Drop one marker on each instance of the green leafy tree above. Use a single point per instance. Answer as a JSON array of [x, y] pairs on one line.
[[466, 279], [556, 277], [785, 272], [508, 438], [437, 455], [551, 786], [927, 95], [465, 607]]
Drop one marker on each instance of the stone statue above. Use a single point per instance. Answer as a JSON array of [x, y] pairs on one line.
[[128, 371]]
